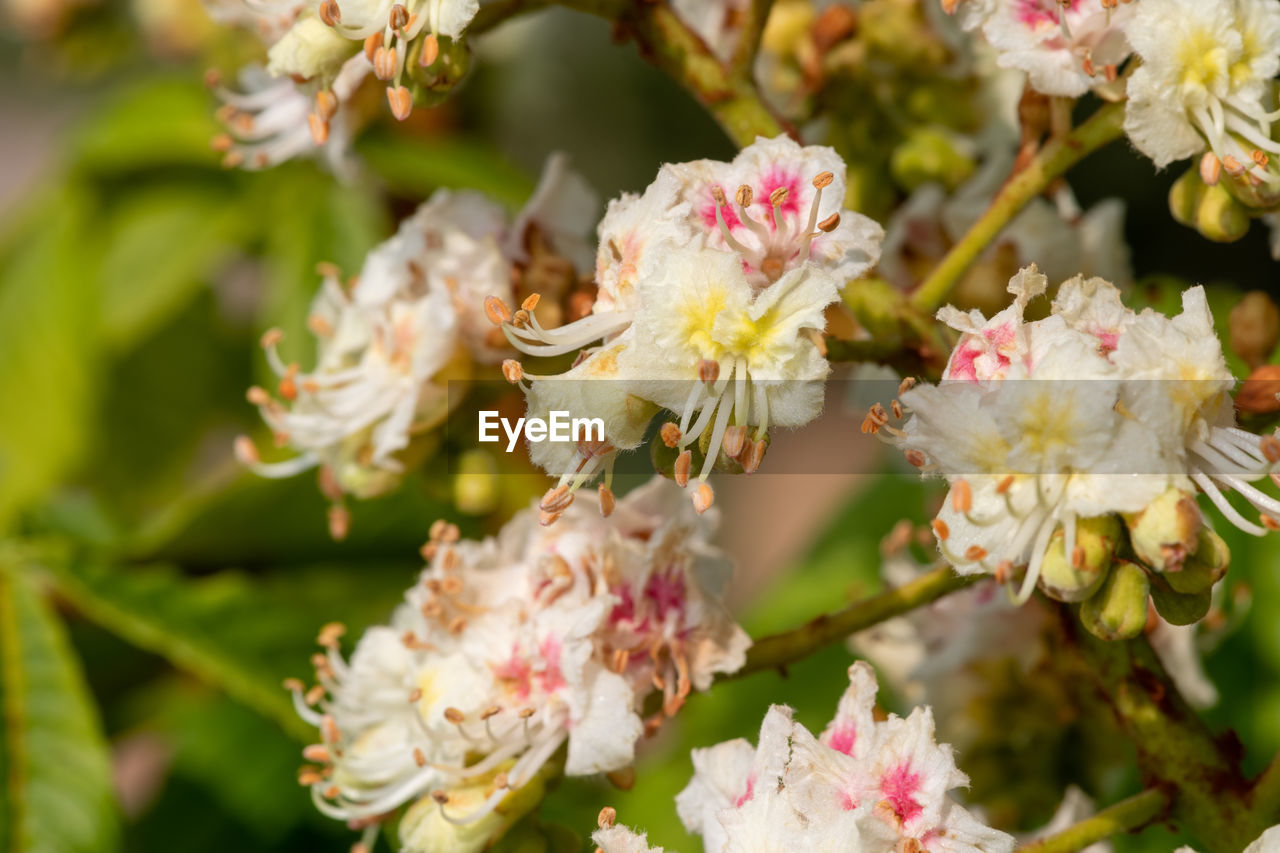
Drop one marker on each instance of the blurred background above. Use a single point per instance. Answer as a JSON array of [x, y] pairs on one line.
[[154, 594]]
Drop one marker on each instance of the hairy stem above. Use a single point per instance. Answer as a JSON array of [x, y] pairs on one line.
[[1175, 748], [1056, 158], [1125, 816], [778, 650], [668, 43]]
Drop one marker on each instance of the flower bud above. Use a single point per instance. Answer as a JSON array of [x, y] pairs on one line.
[[1179, 608], [1119, 610], [438, 67], [1204, 568], [475, 488], [876, 305], [929, 155], [1075, 577], [1220, 217], [309, 49], [1166, 531], [1255, 327], [1185, 196]]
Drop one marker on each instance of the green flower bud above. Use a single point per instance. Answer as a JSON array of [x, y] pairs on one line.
[[1185, 196], [1119, 610], [929, 155], [1204, 568], [1179, 608], [1077, 577], [475, 487], [437, 65], [876, 305], [310, 49], [1254, 327], [1166, 531], [1220, 217]]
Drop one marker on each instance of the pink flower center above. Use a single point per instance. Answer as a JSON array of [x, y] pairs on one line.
[[899, 787]]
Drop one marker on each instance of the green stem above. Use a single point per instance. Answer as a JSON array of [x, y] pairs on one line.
[[1105, 125], [778, 650], [669, 44], [742, 64], [1125, 816], [1175, 748]]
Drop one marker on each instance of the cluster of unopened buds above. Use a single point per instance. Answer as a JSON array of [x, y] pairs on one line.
[[712, 288], [1074, 446], [390, 338], [515, 659]]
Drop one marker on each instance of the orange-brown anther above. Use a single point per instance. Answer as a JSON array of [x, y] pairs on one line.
[[1270, 446], [1210, 168], [915, 457], [512, 371], [371, 45], [823, 180], [753, 456], [607, 501], [607, 817], [735, 441], [975, 553], [430, 50], [1004, 485], [703, 497], [329, 13], [384, 63], [401, 102], [829, 224], [940, 529], [778, 197], [708, 370], [556, 499], [744, 196], [330, 635], [399, 17], [531, 301], [670, 434], [684, 463], [961, 496]]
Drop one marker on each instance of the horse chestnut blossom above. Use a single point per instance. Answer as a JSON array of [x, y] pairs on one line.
[[508, 652], [1049, 430], [319, 52], [1066, 48], [1206, 82], [389, 339], [862, 786], [713, 286]]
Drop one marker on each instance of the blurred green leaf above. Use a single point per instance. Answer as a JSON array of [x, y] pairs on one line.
[[48, 342], [57, 792], [420, 166], [153, 123], [236, 633], [162, 245]]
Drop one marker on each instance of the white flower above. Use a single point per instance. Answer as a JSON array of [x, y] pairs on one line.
[[717, 22], [863, 786], [707, 307], [508, 650], [1205, 81], [1065, 48], [1090, 412]]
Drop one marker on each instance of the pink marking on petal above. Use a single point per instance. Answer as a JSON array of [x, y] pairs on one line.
[[962, 362], [708, 212], [1107, 341], [666, 591], [899, 787], [516, 673], [747, 794], [848, 801], [551, 678], [841, 738]]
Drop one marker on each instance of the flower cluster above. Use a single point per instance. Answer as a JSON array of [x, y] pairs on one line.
[[863, 785], [390, 337], [510, 652], [1050, 432], [713, 285], [1066, 46], [319, 52]]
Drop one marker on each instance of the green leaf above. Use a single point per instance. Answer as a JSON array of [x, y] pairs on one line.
[[48, 343], [236, 633], [57, 791], [419, 167], [156, 122], [162, 245]]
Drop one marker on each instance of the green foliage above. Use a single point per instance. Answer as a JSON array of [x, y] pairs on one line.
[[57, 784]]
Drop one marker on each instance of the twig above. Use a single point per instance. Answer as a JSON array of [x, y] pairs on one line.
[[778, 650], [1125, 816], [1105, 125]]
